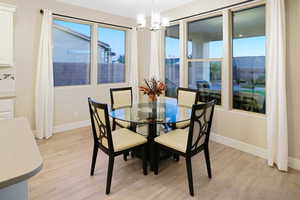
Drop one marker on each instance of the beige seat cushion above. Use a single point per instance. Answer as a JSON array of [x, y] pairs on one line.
[[183, 124], [124, 139], [123, 123], [186, 98], [121, 98], [176, 139]]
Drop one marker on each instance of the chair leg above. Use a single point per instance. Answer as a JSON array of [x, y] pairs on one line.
[[109, 173], [190, 174], [132, 154], [94, 158], [206, 153], [176, 157], [145, 171], [133, 127], [156, 157], [114, 125], [125, 156]]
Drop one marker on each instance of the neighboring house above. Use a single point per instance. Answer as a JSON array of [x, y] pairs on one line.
[[74, 47], [71, 56]]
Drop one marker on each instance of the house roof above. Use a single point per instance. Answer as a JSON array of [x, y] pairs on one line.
[[82, 36]]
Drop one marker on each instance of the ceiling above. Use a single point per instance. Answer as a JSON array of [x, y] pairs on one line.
[[127, 8]]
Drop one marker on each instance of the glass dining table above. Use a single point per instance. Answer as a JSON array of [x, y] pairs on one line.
[[165, 111]]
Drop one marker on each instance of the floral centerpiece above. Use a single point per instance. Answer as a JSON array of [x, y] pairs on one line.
[[153, 88]]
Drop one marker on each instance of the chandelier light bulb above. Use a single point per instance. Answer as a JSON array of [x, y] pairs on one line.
[[155, 20], [141, 21], [165, 21]]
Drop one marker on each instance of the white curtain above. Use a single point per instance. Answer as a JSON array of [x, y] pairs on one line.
[[134, 70], [156, 59], [277, 135], [44, 80]]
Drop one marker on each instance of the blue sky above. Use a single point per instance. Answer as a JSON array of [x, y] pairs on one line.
[[253, 46], [115, 38]]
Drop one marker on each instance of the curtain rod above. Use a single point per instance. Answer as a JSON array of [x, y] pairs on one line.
[[214, 10], [87, 20]]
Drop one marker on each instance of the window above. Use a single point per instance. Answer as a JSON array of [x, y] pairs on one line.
[[205, 53], [111, 55], [172, 61], [71, 53], [249, 59]]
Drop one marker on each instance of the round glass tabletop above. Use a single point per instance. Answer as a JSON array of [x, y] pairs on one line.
[[163, 111]]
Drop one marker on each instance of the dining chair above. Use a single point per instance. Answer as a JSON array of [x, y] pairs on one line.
[[112, 143], [186, 97], [189, 142], [121, 97]]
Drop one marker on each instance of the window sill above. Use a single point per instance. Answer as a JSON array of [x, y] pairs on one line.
[[112, 84], [72, 87], [241, 112]]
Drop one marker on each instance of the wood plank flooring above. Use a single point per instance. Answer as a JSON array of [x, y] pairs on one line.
[[236, 175]]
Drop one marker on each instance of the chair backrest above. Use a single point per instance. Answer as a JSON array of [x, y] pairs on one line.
[[101, 125], [186, 97], [201, 120], [121, 97]]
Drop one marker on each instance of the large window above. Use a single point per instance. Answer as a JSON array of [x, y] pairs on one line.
[[111, 55], [71, 53], [172, 61], [205, 53], [249, 59]]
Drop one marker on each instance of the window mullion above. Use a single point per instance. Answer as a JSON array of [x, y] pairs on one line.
[[227, 61], [94, 53], [183, 70]]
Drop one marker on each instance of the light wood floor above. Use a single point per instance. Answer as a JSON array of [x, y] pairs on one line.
[[236, 175]]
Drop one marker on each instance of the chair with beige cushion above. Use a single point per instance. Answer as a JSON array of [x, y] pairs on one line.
[[113, 143], [121, 97], [186, 97], [189, 142]]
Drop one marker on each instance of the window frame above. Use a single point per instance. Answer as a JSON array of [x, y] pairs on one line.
[[226, 68], [187, 59], [126, 47], [231, 11], [164, 54], [94, 52]]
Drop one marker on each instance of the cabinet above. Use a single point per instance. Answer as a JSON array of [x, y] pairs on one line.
[[6, 109], [6, 34]]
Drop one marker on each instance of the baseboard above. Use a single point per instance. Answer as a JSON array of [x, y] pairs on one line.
[[71, 126], [251, 149], [294, 163], [242, 146]]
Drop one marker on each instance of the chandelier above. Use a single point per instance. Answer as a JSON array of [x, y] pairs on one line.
[[157, 22]]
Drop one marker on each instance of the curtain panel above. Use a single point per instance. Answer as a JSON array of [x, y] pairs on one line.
[[44, 92], [156, 55], [277, 129], [133, 65]]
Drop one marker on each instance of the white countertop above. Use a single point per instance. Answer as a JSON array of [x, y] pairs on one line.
[[19, 155]]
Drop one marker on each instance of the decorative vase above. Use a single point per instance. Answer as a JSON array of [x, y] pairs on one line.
[[153, 106], [153, 97]]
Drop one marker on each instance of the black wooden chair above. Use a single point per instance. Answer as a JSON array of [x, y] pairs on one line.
[[121, 97], [189, 142], [113, 143], [185, 97]]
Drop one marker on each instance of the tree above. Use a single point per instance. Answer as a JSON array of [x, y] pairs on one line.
[[121, 59]]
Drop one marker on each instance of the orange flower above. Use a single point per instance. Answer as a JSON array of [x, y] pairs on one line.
[[153, 88]]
